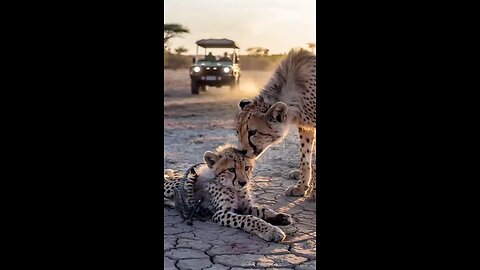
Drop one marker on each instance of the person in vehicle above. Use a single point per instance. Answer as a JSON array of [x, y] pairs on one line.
[[235, 56], [210, 57], [225, 57]]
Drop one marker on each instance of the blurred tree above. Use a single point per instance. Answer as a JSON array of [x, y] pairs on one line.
[[312, 46], [256, 51], [171, 30], [180, 50], [251, 51]]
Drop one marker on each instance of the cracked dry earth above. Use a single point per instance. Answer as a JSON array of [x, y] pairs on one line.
[[195, 124]]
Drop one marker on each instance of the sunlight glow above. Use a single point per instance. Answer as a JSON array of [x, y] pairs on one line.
[[277, 25]]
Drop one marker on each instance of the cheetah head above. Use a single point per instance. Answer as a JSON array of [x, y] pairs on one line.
[[258, 127], [230, 166]]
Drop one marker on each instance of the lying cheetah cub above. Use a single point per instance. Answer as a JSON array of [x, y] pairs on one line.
[[222, 185]]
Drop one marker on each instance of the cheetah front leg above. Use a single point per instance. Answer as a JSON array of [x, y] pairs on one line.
[[307, 138], [295, 174], [312, 192], [269, 215], [249, 223], [171, 179]]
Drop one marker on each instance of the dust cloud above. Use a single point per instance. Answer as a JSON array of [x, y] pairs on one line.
[[177, 88]]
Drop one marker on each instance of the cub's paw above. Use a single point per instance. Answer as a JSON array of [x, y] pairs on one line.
[[295, 175], [168, 172], [280, 219], [295, 191], [168, 203], [273, 234]]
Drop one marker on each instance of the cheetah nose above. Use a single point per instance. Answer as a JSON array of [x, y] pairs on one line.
[[242, 183]]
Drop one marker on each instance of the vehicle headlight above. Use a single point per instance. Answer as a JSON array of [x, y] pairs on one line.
[[226, 69], [196, 69]]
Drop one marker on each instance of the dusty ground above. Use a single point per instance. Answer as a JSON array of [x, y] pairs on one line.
[[195, 124]]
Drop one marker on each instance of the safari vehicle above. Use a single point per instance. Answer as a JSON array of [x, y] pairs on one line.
[[213, 71]]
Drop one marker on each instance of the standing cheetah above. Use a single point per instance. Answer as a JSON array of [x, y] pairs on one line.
[[288, 99], [224, 183]]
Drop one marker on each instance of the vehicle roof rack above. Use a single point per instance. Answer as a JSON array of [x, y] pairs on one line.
[[217, 43]]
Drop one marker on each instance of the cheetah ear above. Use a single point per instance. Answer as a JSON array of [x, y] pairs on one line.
[[277, 112], [244, 102], [210, 158]]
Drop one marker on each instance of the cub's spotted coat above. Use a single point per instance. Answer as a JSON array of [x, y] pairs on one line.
[[224, 183]]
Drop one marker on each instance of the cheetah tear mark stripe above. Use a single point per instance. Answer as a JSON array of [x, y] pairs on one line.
[[235, 173], [250, 142]]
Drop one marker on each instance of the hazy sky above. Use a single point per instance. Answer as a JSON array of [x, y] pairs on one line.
[[274, 24]]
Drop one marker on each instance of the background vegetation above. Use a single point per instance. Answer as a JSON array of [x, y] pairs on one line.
[[257, 58]]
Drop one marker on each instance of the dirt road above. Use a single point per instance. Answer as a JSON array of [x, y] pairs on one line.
[[195, 124]]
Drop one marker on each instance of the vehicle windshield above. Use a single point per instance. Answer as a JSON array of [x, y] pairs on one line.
[[217, 55], [216, 59]]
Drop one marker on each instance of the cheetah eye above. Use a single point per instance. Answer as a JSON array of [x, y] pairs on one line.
[[232, 170], [247, 168], [251, 132]]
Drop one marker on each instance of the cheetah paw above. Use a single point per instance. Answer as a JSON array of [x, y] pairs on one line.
[[167, 173], [275, 234], [295, 175], [311, 194], [168, 203], [280, 219], [295, 191]]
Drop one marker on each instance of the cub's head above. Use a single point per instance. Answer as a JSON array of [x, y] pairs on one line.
[[258, 126], [230, 166]]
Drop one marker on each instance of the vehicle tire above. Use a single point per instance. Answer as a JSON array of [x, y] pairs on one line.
[[195, 87], [203, 88]]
